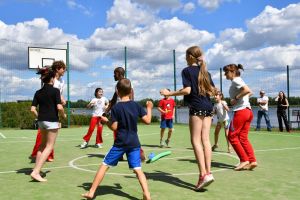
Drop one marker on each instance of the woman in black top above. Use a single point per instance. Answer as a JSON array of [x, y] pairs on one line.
[[49, 102], [282, 105]]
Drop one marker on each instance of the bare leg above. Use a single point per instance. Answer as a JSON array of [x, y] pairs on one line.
[[162, 132], [217, 131], [170, 133], [96, 182], [206, 142], [226, 136], [195, 124], [48, 136], [143, 182]]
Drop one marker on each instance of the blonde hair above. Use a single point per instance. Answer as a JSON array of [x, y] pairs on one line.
[[204, 82]]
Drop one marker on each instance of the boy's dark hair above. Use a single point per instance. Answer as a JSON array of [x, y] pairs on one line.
[[124, 87], [57, 65]]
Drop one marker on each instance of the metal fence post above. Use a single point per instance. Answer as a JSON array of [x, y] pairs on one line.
[[288, 91], [221, 80], [174, 64], [125, 59], [68, 85]]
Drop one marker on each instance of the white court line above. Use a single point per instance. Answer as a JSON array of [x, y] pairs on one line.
[[282, 149], [17, 137], [3, 136], [79, 167], [22, 141], [71, 163], [58, 139]]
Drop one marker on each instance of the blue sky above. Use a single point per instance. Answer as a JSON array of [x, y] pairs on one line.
[[91, 14], [261, 34]]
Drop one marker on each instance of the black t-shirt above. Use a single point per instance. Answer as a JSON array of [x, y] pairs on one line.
[[194, 100], [281, 102], [47, 99]]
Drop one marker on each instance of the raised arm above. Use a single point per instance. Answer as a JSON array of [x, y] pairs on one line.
[[147, 118], [181, 92]]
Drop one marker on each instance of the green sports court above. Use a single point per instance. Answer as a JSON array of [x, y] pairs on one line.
[[171, 177]]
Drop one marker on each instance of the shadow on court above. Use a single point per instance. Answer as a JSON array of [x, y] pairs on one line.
[[27, 171], [222, 165], [151, 145], [105, 189], [96, 155], [213, 164], [167, 178]]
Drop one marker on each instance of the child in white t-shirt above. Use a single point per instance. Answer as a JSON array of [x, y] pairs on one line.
[[99, 104], [221, 110]]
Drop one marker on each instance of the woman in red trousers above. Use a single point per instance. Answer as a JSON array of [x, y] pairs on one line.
[[239, 93]]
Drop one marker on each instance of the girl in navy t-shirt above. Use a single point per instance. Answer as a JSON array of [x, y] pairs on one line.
[[197, 89]]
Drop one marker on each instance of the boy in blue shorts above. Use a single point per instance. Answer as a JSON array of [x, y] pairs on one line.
[[124, 118]]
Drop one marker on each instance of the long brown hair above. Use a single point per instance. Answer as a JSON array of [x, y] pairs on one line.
[[204, 82]]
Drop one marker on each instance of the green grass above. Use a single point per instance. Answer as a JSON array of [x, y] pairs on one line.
[[172, 177]]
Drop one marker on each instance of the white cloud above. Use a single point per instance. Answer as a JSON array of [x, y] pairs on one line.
[[273, 27], [189, 7], [213, 4], [73, 5], [149, 47], [264, 58], [159, 3], [14, 87], [209, 4], [129, 14], [270, 41]]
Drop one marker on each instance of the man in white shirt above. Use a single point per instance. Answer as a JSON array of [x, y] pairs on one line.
[[262, 102]]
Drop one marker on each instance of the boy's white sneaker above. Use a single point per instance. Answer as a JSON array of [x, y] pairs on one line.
[[99, 146], [84, 145]]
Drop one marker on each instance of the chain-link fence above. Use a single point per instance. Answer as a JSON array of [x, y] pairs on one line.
[[149, 70]]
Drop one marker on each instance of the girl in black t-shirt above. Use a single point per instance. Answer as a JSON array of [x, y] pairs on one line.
[[49, 102]]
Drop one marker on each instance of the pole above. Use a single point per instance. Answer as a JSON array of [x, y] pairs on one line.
[[221, 77], [288, 89], [174, 64], [68, 84], [125, 58], [0, 107]]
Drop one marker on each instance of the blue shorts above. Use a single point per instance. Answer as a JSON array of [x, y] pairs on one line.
[[115, 153], [166, 123]]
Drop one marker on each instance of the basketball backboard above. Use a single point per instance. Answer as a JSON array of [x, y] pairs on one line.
[[39, 57]]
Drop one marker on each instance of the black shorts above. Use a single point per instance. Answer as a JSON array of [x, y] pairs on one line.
[[204, 113]]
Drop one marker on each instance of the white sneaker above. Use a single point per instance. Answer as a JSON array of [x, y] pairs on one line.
[[210, 178], [99, 146], [84, 145], [204, 181]]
